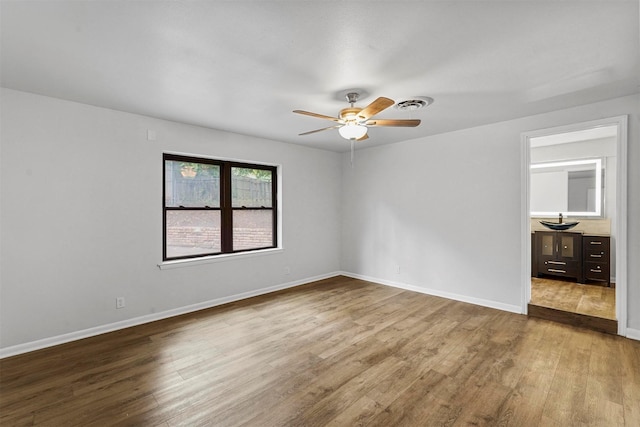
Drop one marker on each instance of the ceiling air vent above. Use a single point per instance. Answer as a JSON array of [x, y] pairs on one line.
[[414, 103]]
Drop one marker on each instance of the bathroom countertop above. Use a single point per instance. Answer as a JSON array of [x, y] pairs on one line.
[[592, 227]]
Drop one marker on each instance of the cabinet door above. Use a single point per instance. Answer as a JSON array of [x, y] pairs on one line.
[[567, 247], [547, 244]]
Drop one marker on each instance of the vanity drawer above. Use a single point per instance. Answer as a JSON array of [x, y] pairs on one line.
[[559, 268], [596, 271], [596, 254], [596, 243]]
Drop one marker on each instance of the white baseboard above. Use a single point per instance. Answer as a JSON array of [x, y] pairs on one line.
[[99, 330], [633, 334], [438, 293]]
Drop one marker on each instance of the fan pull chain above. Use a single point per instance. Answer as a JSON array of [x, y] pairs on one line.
[[352, 144]]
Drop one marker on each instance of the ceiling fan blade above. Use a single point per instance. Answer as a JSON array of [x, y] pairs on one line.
[[320, 130], [320, 116], [363, 137], [375, 107], [410, 123]]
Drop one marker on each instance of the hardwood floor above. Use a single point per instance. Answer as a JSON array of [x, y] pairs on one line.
[[339, 352]]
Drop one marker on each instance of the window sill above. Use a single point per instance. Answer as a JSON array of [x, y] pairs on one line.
[[166, 265]]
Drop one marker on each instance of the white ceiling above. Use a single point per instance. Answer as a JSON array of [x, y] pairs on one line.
[[243, 66]]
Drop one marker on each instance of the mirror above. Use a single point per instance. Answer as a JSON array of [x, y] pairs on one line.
[[574, 173], [573, 188]]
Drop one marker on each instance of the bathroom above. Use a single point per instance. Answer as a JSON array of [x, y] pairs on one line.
[[572, 201]]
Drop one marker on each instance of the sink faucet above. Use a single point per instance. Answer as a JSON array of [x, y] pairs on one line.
[[560, 218]]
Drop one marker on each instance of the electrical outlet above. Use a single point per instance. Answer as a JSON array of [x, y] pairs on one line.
[[120, 302], [397, 269], [287, 270]]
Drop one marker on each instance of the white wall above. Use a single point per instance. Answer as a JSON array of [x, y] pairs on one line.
[[81, 217], [446, 209]]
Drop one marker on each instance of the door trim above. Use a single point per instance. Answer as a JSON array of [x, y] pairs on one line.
[[621, 210]]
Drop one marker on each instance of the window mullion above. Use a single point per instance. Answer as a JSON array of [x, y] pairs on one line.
[[227, 212], [274, 205]]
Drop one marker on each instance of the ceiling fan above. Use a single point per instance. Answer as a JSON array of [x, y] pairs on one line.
[[353, 122]]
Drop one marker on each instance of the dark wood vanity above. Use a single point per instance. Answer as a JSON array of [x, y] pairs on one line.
[[559, 253], [578, 256]]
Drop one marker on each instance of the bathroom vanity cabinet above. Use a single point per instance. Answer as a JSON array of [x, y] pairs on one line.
[[573, 255], [559, 253]]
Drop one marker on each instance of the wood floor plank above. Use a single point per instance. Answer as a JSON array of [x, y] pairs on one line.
[[329, 375], [329, 407], [599, 410], [414, 406], [339, 351], [360, 413], [566, 399], [604, 371], [485, 407], [628, 358], [525, 405]]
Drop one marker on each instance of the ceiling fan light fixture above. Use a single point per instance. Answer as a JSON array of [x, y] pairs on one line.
[[352, 131], [352, 122]]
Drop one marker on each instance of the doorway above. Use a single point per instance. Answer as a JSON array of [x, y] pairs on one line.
[[561, 152]]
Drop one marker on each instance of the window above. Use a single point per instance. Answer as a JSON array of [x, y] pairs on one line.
[[214, 207]]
